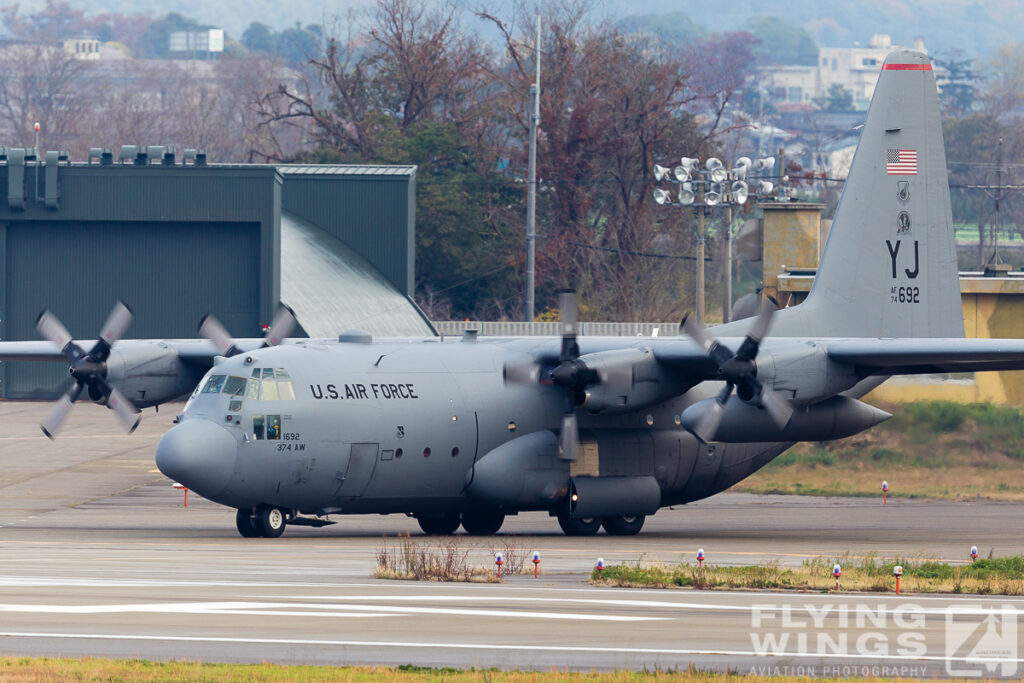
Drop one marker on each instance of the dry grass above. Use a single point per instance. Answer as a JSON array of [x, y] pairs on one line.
[[928, 450], [999, 576], [448, 559], [90, 670]]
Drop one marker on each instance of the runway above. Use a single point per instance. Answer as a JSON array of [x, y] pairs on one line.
[[98, 557]]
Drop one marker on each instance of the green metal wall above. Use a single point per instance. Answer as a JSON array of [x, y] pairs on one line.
[[372, 214], [169, 273]]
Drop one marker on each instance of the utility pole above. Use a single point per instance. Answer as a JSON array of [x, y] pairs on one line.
[[531, 196], [727, 302], [699, 303]]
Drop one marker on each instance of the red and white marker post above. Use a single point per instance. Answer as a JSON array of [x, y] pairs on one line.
[[897, 571], [700, 557], [837, 571], [536, 564], [498, 561], [600, 568], [181, 487], [885, 492], [974, 553]]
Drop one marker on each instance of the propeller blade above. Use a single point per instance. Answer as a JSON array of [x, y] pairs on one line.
[[60, 411], [568, 305], [778, 408], [697, 332], [211, 328], [569, 438], [707, 425], [280, 327], [125, 410], [717, 351], [117, 322], [521, 373], [758, 330], [50, 327]]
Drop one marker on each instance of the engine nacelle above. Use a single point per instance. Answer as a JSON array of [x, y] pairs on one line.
[[627, 379], [803, 373], [525, 472], [834, 418], [614, 496], [148, 373]]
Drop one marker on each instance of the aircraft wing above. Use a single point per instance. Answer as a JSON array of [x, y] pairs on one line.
[[33, 350], [922, 356]]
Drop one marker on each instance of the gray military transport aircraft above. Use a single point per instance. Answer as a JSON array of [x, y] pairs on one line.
[[598, 431]]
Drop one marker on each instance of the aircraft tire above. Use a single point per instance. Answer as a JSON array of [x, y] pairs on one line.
[[482, 522], [623, 526], [578, 526], [246, 526], [444, 525], [272, 521]]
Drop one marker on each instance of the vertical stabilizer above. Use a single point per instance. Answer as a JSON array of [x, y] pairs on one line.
[[889, 267]]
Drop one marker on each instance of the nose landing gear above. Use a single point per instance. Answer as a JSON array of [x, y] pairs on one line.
[[267, 521]]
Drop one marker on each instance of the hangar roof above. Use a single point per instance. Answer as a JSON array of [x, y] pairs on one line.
[[332, 289]]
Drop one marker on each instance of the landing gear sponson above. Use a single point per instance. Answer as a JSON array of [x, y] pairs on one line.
[[268, 521]]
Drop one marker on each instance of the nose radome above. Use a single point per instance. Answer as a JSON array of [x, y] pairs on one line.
[[198, 454]]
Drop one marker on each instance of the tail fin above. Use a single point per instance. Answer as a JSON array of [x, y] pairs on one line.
[[889, 267]]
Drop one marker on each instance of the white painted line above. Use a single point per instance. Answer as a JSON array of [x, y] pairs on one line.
[[310, 610], [496, 646]]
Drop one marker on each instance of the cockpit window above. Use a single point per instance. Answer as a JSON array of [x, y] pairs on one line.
[[235, 386], [213, 384], [253, 389], [273, 427], [269, 390], [285, 390]]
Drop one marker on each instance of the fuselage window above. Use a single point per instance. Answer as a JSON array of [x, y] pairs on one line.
[[273, 427], [235, 406], [213, 384], [257, 427], [234, 386]]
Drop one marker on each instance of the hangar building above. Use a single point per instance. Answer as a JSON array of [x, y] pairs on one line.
[[178, 238]]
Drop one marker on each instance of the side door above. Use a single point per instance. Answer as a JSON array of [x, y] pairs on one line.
[[355, 471]]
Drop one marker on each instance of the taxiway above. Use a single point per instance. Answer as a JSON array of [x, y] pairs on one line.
[[99, 557]]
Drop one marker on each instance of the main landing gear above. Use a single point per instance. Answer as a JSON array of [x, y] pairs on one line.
[[476, 522], [267, 521], [588, 526]]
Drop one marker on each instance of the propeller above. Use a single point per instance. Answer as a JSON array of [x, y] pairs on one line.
[[280, 327], [570, 374], [89, 370], [739, 371]]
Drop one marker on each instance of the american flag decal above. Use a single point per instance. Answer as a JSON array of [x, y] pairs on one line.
[[901, 161]]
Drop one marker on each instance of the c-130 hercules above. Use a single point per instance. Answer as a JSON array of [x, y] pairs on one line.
[[598, 431]]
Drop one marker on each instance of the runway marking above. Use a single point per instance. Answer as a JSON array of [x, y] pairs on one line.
[[496, 589], [271, 608], [514, 648]]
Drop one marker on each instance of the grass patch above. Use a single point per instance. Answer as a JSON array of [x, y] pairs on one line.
[[998, 576], [449, 559], [929, 449]]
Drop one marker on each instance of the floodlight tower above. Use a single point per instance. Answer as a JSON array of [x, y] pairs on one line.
[[708, 189]]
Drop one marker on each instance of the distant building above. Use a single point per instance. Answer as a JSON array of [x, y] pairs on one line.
[[82, 47], [207, 41], [854, 68]]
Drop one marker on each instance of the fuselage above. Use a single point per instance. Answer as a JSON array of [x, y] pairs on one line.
[[402, 427]]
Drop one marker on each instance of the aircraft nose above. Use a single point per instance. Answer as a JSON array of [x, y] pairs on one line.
[[198, 454]]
